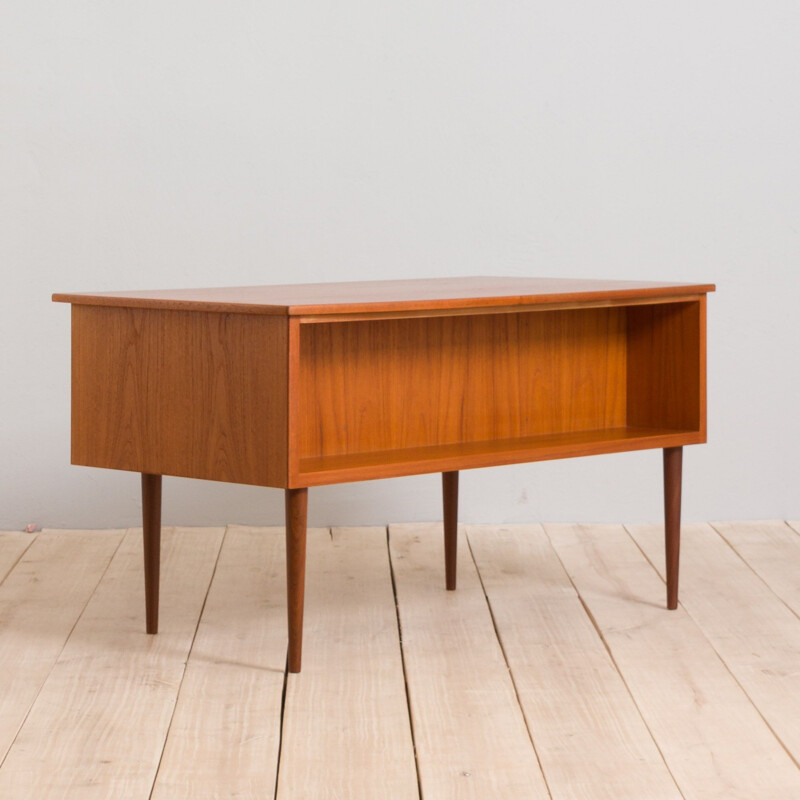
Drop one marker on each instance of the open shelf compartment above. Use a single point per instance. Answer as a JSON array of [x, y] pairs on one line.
[[389, 397]]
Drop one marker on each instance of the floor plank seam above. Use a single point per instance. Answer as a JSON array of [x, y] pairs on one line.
[[403, 663], [721, 659], [616, 666], [745, 562], [280, 726], [186, 664], [508, 667], [58, 657], [21, 555]]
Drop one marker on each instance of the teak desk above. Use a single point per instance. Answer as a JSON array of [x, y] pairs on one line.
[[298, 386]]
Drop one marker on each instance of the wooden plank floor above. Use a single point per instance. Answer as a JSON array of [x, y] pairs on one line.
[[554, 670]]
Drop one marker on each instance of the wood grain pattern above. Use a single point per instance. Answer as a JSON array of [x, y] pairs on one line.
[[395, 384], [713, 739], [112, 679], [755, 634], [356, 296], [225, 734], [346, 729], [590, 738], [469, 732], [40, 601], [180, 393]]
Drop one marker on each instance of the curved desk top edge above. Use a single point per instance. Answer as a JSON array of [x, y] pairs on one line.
[[430, 294]]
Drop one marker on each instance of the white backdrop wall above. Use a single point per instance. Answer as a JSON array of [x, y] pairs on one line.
[[167, 144]]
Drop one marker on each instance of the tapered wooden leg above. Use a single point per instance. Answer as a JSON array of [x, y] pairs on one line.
[[296, 511], [673, 467], [450, 498], [151, 523]]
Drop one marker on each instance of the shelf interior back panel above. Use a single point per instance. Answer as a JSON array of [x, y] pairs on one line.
[[389, 385]]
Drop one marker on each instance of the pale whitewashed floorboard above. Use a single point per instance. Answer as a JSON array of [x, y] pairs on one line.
[[225, 735], [98, 726], [469, 730], [574, 699], [711, 735], [12, 546], [346, 730], [755, 634], [41, 599], [772, 550], [794, 525], [93, 705]]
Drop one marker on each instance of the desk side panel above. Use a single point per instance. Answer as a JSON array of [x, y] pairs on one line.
[[185, 393]]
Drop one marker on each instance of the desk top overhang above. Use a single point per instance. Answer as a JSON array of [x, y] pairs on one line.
[[437, 295]]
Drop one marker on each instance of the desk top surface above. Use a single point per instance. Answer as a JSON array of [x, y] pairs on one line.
[[391, 295]]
